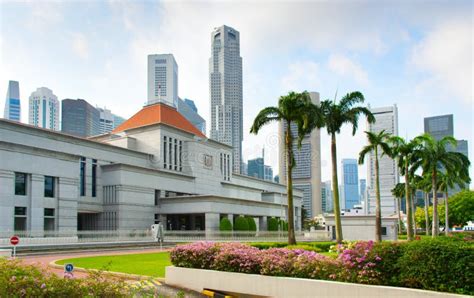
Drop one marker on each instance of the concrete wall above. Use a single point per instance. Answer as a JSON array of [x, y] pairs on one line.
[[246, 285], [363, 227]]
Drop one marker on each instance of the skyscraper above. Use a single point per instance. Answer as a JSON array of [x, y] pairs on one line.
[[307, 172], [44, 109], [188, 109], [267, 173], [386, 119], [12, 102], [439, 126], [225, 87], [106, 120], [79, 118], [256, 168], [162, 79], [443, 126], [362, 189], [349, 170], [326, 197]]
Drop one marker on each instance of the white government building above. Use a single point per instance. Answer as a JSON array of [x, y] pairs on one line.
[[156, 166]]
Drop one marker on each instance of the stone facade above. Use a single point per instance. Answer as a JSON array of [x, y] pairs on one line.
[[123, 181]]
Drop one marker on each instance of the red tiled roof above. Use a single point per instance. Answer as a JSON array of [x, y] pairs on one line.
[[159, 113]]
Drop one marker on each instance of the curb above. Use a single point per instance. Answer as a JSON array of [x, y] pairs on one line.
[[138, 277]]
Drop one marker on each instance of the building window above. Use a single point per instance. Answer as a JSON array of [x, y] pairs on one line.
[[94, 177], [157, 219], [165, 147], [49, 219], [384, 231], [82, 181], [170, 154], [157, 196], [20, 184], [180, 156], [20, 219], [175, 154], [49, 187]]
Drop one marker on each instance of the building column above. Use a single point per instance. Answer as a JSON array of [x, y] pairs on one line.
[[67, 197], [262, 223], [36, 212], [212, 221], [7, 203]]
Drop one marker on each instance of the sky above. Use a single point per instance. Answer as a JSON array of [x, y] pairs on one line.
[[415, 54]]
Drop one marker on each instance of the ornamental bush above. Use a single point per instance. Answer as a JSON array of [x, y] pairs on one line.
[[236, 257], [241, 224], [21, 280], [195, 255], [283, 225], [272, 224], [439, 264], [225, 224], [251, 223]]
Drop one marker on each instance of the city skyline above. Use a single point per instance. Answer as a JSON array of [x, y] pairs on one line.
[[399, 67]]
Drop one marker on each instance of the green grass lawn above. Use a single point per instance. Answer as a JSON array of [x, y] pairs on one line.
[[150, 264]]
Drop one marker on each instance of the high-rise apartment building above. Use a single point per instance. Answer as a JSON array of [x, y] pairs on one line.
[[307, 172], [162, 79], [326, 197], [443, 126], [386, 119], [350, 180], [225, 87], [188, 109], [79, 118], [12, 102], [44, 109]]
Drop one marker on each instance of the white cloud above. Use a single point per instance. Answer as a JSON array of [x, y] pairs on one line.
[[80, 45], [446, 55], [344, 66], [302, 75]]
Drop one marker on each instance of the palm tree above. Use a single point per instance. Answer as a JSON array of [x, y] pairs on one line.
[[376, 141], [404, 152], [335, 115], [434, 157], [399, 192], [294, 108], [424, 183], [460, 178]]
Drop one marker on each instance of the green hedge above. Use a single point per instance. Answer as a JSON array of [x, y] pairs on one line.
[[440, 264], [272, 224], [314, 246], [225, 224], [241, 224], [252, 224]]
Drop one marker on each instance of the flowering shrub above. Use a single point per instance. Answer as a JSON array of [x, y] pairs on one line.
[[194, 255], [441, 264], [359, 262], [20, 280], [236, 257]]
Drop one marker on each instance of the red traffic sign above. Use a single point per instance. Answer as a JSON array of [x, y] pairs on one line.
[[14, 240]]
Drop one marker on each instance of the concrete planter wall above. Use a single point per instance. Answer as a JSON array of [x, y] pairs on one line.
[[270, 286]]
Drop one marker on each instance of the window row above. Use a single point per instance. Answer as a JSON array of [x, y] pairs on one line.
[[21, 185], [21, 219], [82, 177], [225, 166], [172, 154]]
